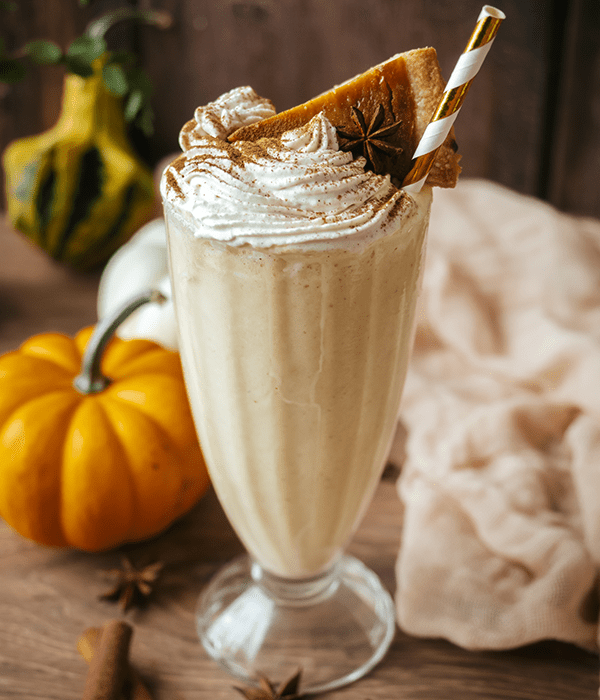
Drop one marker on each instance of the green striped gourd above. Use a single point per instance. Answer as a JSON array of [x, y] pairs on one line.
[[78, 190]]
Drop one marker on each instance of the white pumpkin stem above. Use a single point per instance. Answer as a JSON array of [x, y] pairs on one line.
[[91, 380]]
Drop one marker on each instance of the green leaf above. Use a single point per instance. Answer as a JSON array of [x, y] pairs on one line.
[[8, 5], [44, 52], [79, 67], [86, 48], [133, 104], [139, 80], [122, 57], [82, 52], [11, 71], [115, 79], [145, 121]]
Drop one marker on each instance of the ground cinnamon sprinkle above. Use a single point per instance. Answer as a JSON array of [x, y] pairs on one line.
[[173, 184]]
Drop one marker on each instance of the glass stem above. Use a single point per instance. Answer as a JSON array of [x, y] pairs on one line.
[[304, 591]]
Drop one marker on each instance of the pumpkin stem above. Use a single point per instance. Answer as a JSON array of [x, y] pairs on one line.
[[98, 27], [91, 380]]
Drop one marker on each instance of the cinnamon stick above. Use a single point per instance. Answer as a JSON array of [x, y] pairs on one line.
[[108, 667], [87, 645]]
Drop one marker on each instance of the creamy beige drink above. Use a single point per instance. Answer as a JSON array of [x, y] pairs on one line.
[[295, 274]]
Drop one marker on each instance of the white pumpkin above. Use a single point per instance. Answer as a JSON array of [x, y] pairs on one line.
[[138, 265]]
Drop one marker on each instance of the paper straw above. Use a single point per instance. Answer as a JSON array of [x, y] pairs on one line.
[[451, 101]]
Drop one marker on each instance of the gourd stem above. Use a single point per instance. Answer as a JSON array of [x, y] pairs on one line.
[[91, 380], [98, 27]]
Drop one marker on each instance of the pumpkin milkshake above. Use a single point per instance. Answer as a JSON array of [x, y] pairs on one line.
[[295, 271], [294, 324]]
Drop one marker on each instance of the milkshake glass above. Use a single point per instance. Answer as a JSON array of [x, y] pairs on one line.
[[295, 275]]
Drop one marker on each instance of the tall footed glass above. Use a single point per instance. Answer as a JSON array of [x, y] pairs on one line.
[[295, 356]]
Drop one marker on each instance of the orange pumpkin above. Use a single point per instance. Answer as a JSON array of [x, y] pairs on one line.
[[95, 458]]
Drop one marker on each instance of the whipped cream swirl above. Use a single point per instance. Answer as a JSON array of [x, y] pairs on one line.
[[298, 188], [233, 110]]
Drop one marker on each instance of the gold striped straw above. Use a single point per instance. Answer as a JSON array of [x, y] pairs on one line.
[[464, 72]]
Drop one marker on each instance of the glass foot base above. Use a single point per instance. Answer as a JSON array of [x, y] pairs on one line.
[[334, 627]]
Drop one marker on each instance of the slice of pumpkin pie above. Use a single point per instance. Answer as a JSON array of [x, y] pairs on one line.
[[380, 114]]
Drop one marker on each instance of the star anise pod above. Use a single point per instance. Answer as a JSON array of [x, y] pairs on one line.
[[132, 586], [288, 690], [369, 141]]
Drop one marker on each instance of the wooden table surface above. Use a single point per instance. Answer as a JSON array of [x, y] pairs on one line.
[[48, 597]]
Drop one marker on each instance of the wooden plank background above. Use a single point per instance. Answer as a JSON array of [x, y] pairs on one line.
[[531, 121]]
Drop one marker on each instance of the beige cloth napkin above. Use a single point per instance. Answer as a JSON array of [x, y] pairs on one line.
[[501, 480]]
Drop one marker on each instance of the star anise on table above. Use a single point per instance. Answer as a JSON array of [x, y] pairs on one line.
[[288, 690], [368, 142], [132, 586]]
